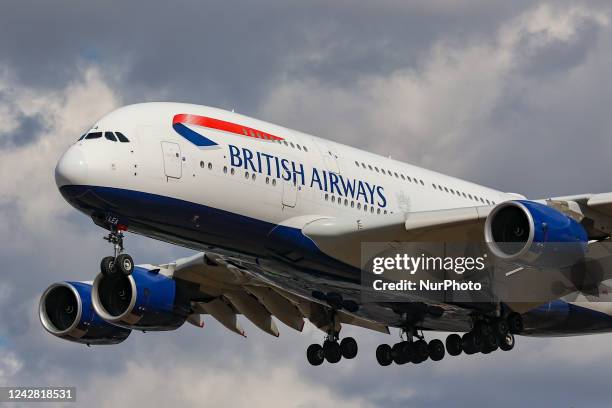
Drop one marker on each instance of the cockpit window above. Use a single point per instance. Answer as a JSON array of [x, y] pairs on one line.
[[110, 136], [82, 137], [94, 135], [122, 138]]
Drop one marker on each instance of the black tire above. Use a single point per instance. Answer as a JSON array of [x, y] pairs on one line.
[[349, 348], [314, 354], [332, 352], [453, 344], [500, 327], [489, 344], [107, 265], [124, 264], [515, 323], [383, 355], [436, 350], [420, 351], [507, 343], [402, 352], [482, 328], [471, 343]]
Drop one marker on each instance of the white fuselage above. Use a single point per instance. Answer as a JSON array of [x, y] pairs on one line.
[[324, 177]]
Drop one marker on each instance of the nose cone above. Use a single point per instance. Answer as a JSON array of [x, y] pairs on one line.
[[71, 168]]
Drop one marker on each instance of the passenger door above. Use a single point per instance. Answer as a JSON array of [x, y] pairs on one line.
[[173, 165], [290, 191]]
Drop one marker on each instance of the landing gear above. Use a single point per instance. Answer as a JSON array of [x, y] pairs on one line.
[[402, 352], [436, 350], [507, 343], [315, 354], [348, 347], [384, 355], [515, 323], [453, 344], [410, 350], [488, 335], [120, 262], [332, 350]]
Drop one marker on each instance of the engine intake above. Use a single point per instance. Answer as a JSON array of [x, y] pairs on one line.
[[144, 300], [65, 311], [534, 234]]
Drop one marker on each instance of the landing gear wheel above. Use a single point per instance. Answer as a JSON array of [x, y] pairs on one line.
[[500, 328], [421, 352], [384, 355], [124, 264], [471, 343], [515, 323], [482, 328], [332, 352], [402, 352], [507, 343], [453, 344], [107, 265], [348, 347], [436, 350], [314, 354], [489, 344]]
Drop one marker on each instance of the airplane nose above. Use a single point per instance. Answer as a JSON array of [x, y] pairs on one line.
[[71, 169]]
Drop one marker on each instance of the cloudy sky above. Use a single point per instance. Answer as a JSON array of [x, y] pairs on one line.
[[514, 95]]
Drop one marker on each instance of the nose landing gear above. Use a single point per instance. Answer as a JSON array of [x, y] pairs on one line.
[[120, 262]]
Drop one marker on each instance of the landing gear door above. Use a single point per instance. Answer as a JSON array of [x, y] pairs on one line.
[[290, 190], [173, 166]]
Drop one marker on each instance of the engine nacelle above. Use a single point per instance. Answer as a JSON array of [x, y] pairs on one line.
[[144, 300], [534, 234], [65, 311]]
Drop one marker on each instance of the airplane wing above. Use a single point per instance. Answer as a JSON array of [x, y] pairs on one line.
[[341, 238], [229, 290]]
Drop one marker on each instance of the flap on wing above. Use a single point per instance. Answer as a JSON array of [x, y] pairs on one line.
[[341, 238], [601, 202]]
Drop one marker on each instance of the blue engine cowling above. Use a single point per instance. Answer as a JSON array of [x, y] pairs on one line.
[[144, 300], [534, 234], [65, 311]]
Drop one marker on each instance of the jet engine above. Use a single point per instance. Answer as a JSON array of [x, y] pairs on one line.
[[534, 234], [144, 300], [65, 311]]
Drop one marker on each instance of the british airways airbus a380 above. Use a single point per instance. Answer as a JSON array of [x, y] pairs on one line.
[[278, 217]]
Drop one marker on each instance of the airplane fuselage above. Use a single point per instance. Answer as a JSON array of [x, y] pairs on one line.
[[210, 179]]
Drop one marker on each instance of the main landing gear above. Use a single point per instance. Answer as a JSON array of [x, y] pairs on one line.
[[486, 336], [410, 350], [120, 262], [332, 350]]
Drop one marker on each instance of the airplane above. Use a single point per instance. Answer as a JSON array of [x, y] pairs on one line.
[[277, 218]]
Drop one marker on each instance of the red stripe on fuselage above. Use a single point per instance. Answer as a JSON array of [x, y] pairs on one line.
[[219, 124]]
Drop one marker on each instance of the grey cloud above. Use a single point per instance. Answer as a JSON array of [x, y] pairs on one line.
[[541, 57], [29, 128]]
